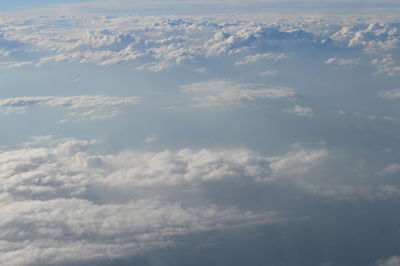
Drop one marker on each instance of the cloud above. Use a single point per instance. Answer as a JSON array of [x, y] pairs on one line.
[[353, 192], [68, 230], [257, 57], [373, 38], [154, 43], [302, 111], [13, 64], [150, 139], [343, 62], [392, 261], [386, 65], [60, 203], [93, 106], [269, 73], [221, 94], [296, 162], [391, 94], [390, 169], [4, 53], [64, 168], [149, 43]]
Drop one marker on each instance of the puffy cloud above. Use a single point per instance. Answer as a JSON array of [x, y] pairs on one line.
[[150, 139], [390, 169], [257, 57], [220, 94], [296, 162], [391, 94], [4, 53], [68, 230], [269, 73], [302, 111], [373, 38], [392, 261], [96, 106], [373, 117], [156, 43], [59, 203], [343, 62], [353, 192], [14, 64], [66, 169], [386, 64]]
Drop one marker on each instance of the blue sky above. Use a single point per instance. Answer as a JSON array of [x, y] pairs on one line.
[[63, 7], [146, 133], [26, 4]]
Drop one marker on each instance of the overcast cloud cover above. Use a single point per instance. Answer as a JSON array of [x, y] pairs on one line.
[[200, 133]]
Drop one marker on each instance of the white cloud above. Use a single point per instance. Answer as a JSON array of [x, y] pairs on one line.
[[221, 94], [150, 139], [157, 43], [68, 230], [65, 168], [392, 261], [386, 65], [390, 169], [391, 94], [353, 192], [93, 106], [343, 61], [302, 111], [13, 64], [257, 57], [59, 203], [296, 162], [4, 53], [269, 73], [373, 38]]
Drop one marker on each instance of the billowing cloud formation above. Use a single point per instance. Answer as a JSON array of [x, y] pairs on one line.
[[220, 94], [268, 56], [373, 37], [302, 111], [94, 106], [60, 204], [154, 43], [67, 170], [392, 261], [342, 61], [391, 94], [390, 169]]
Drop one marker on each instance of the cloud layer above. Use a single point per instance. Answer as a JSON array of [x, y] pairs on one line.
[[60, 203], [93, 106]]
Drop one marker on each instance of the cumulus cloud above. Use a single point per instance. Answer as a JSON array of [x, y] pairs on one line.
[[353, 193], [302, 111], [390, 169], [269, 73], [373, 38], [391, 94], [67, 230], [14, 64], [257, 57], [157, 43], [93, 106], [66, 169], [392, 261], [342, 61], [60, 203], [221, 94], [4, 53], [386, 65]]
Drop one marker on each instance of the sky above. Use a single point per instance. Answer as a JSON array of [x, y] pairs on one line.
[[157, 133]]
